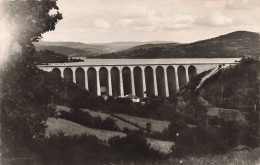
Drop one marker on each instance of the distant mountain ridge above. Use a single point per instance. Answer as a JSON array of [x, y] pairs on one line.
[[89, 50], [235, 44]]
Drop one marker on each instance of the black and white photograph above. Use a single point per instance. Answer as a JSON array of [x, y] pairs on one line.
[[129, 82]]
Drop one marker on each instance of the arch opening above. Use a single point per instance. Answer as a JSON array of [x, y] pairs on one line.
[[160, 81], [115, 79], [103, 75], [80, 77], [182, 76], [56, 71], [68, 74], [127, 80], [171, 80], [138, 81], [92, 80], [149, 80], [192, 71]]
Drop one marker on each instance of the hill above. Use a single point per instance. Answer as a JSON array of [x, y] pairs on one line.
[[130, 44], [235, 44], [70, 52], [70, 128], [235, 88], [148, 46], [88, 50], [47, 56]]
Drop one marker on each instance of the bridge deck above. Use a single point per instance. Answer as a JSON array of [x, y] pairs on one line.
[[166, 61]]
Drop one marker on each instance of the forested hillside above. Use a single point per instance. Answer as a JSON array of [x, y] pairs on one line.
[[235, 44], [72, 49], [47, 56], [235, 88]]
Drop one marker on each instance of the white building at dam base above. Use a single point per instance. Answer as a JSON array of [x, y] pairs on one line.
[[140, 77]]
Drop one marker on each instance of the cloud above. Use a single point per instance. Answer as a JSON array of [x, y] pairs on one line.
[[153, 20], [242, 4], [216, 18], [181, 20], [99, 23]]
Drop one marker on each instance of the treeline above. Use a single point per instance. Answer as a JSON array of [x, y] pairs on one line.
[[48, 56]]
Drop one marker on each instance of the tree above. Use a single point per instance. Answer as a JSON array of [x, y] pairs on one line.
[[32, 18], [24, 104], [148, 127]]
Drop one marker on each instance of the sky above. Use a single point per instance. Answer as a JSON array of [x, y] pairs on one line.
[[184, 21]]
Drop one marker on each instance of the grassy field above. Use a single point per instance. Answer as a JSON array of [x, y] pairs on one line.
[[162, 146], [125, 121], [120, 124], [55, 125], [69, 128], [157, 125], [129, 121], [251, 157], [60, 108]]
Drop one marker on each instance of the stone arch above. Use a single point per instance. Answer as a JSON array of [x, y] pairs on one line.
[[68, 74], [80, 77], [127, 80], [103, 75], [192, 71], [160, 81], [56, 71], [92, 80], [149, 80], [171, 80], [115, 79], [182, 76], [138, 81]]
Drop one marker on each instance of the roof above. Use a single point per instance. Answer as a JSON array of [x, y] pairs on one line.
[[130, 96], [226, 114], [213, 112]]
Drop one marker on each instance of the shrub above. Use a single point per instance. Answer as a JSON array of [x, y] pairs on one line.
[[195, 141], [109, 124], [190, 138], [133, 146], [60, 149], [232, 134], [148, 127], [126, 130]]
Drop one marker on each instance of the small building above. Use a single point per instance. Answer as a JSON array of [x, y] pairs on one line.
[[78, 58], [134, 98], [215, 115], [103, 90]]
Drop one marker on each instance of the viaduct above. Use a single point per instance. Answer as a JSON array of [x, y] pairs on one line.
[[140, 77]]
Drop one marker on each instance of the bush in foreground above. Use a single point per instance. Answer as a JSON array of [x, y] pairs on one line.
[[134, 147], [60, 149]]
